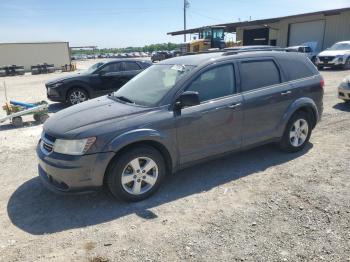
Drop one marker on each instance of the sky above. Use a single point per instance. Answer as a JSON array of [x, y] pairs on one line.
[[122, 23]]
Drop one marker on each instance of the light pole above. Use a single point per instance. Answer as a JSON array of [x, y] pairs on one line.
[[186, 5]]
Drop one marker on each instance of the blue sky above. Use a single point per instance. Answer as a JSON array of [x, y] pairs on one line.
[[121, 23]]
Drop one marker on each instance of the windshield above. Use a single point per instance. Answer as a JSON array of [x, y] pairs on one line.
[[150, 86], [94, 67], [340, 46]]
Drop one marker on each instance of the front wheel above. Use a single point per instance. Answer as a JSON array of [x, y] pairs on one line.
[[297, 133], [76, 96], [136, 174]]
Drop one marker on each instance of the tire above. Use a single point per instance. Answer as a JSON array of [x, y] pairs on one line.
[[125, 167], [36, 117], [43, 118], [76, 96], [290, 143], [17, 121], [319, 67]]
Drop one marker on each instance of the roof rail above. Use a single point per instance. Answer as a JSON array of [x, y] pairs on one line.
[[235, 52], [228, 51]]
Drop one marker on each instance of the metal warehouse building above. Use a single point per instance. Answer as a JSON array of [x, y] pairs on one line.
[[28, 54], [324, 27]]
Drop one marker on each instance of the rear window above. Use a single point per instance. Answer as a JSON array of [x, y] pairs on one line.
[[257, 74], [296, 68]]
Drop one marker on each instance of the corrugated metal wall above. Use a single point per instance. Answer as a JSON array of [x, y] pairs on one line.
[[337, 28], [28, 54]]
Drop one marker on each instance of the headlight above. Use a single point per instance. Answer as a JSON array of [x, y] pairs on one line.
[[73, 147], [56, 84], [340, 58], [345, 83]]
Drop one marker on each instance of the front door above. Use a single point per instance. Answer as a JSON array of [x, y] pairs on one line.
[[213, 126], [109, 78]]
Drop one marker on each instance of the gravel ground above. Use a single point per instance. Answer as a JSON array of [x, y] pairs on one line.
[[258, 205]]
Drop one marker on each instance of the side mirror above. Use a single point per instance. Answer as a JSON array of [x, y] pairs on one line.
[[188, 98]]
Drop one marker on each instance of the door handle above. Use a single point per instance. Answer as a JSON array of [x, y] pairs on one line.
[[233, 106], [286, 93]]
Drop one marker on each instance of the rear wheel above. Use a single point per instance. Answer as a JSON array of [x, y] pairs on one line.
[[319, 67], [17, 121], [136, 174], [297, 133], [76, 96]]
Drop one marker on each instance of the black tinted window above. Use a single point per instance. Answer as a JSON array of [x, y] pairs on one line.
[[110, 68], [297, 68], [145, 65], [256, 74], [214, 83], [130, 66]]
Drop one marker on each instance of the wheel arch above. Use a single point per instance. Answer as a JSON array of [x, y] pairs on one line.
[[78, 86], [304, 104], [143, 137]]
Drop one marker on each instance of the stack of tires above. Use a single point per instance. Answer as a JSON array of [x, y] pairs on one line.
[[42, 69], [12, 70]]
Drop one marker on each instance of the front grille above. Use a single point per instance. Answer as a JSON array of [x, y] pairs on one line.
[[47, 143], [326, 59], [48, 147]]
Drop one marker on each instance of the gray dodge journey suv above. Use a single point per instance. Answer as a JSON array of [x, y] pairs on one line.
[[176, 113]]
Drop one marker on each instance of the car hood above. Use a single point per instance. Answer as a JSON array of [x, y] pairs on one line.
[[90, 117], [65, 78], [334, 52]]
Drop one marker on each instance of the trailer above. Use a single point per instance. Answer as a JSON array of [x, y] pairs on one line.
[[15, 110]]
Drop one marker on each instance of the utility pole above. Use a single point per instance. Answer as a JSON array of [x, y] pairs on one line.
[[186, 5]]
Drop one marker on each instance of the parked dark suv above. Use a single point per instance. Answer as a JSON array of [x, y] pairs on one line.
[[176, 113], [100, 79]]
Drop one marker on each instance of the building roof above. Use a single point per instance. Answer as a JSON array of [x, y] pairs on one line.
[[231, 27], [29, 43]]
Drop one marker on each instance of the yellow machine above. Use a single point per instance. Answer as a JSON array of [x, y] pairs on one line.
[[209, 37]]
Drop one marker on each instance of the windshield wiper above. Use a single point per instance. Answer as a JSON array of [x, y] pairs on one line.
[[125, 99]]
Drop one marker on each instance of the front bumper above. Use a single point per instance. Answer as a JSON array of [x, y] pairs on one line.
[[343, 93], [72, 174], [330, 63], [54, 95]]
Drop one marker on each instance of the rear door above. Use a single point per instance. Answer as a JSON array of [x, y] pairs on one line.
[[266, 98], [130, 69], [213, 126]]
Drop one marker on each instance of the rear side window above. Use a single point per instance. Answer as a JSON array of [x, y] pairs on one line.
[[130, 66], [296, 68], [257, 74], [214, 83]]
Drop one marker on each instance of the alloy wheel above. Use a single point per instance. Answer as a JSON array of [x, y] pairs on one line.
[[77, 97], [299, 132], [139, 175]]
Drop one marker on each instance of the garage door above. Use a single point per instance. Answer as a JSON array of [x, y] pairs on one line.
[[300, 33], [256, 36]]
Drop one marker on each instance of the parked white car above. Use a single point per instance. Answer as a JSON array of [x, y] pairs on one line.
[[306, 50], [338, 55], [344, 89]]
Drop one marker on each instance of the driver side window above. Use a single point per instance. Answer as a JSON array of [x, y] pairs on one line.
[[214, 83], [111, 68]]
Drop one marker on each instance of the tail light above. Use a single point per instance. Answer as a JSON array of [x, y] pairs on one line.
[[322, 83]]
